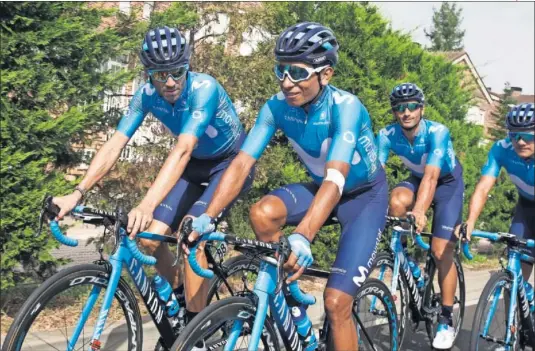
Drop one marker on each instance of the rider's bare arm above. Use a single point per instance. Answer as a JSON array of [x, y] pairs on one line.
[[170, 172], [231, 183], [479, 198], [427, 188], [104, 160], [323, 204]]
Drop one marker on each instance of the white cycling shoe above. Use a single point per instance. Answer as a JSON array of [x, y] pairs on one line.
[[198, 347], [444, 338]]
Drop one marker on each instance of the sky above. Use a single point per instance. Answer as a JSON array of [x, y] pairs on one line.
[[499, 37]]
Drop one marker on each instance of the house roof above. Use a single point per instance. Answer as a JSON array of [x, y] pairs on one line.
[[520, 99], [451, 55]]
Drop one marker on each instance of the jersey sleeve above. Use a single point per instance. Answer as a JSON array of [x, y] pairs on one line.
[[346, 126], [383, 144], [202, 107], [261, 133], [439, 140], [492, 167], [135, 114]]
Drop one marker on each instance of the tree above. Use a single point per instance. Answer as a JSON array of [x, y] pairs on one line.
[[52, 90], [446, 33]]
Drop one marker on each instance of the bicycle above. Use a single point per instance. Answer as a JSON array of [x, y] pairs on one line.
[[82, 284], [419, 297], [508, 286], [244, 322]]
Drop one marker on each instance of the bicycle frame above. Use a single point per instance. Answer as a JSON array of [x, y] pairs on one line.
[[123, 256], [401, 261], [265, 291], [517, 291]]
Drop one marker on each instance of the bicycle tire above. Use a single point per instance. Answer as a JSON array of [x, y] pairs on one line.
[[221, 312], [403, 313], [240, 264], [72, 277], [479, 316], [430, 270], [379, 290]]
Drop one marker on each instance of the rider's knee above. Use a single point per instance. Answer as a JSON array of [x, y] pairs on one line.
[[264, 211], [150, 246], [337, 306], [443, 252], [400, 203]]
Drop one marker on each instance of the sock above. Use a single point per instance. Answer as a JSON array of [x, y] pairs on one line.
[[179, 291], [190, 315], [445, 316]]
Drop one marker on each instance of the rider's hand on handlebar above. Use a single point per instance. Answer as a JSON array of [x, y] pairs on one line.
[[139, 220], [66, 203], [420, 220], [200, 225], [300, 258]]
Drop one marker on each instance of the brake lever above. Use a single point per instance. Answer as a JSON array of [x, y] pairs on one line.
[[282, 251], [49, 210]]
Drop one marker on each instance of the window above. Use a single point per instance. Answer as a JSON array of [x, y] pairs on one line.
[[124, 7], [476, 116]]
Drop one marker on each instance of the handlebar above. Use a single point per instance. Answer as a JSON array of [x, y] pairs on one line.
[[510, 239], [119, 219], [392, 221], [266, 250]]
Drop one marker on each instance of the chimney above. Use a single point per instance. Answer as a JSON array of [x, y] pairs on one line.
[[516, 91]]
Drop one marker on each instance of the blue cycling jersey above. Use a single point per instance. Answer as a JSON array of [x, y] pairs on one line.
[[336, 127], [203, 109], [431, 146], [502, 154]]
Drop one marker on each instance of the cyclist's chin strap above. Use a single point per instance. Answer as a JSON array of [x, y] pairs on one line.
[[306, 104]]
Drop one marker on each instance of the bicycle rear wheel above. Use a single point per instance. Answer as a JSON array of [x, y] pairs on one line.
[[239, 273], [375, 317], [48, 317], [214, 324]]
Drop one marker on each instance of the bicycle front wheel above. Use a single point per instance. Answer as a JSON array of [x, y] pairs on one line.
[[50, 319], [211, 328], [433, 298], [490, 321]]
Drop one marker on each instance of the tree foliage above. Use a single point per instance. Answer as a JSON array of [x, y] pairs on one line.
[[52, 89], [446, 33], [373, 58]]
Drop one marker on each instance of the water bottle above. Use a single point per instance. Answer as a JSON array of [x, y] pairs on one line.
[[304, 328], [165, 293], [529, 295], [416, 272]]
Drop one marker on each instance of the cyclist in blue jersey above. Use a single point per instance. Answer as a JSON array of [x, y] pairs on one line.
[[331, 132], [197, 110], [425, 148], [515, 153]]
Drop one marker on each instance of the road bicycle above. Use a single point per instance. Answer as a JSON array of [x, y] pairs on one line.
[[504, 318], [416, 292], [243, 323], [78, 291]]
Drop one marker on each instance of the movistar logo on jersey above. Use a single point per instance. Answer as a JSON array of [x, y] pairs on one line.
[[196, 85], [388, 131], [148, 89], [436, 128], [339, 98]]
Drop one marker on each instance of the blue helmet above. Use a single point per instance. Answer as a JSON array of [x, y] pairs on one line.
[[164, 48], [406, 92], [521, 117], [309, 43]]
